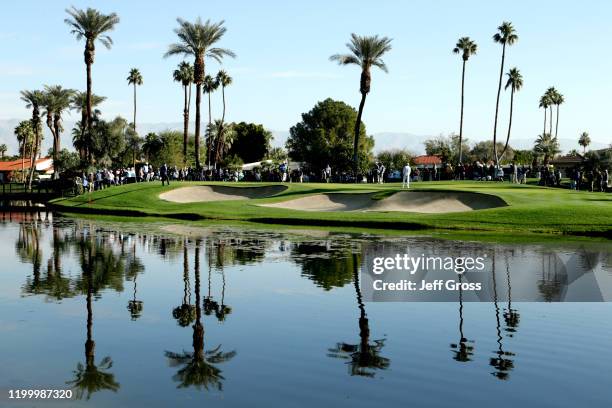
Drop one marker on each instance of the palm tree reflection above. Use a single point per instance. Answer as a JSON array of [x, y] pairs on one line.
[[91, 378], [463, 351], [199, 367], [511, 316], [363, 358], [185, 313], [502, 362]]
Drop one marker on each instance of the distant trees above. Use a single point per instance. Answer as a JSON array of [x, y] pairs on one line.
[[484, 152], [394, 159], [251, 142], [325, 136], [584, 141], [3, 149], [440, 146], [165, 147], [448, 148]]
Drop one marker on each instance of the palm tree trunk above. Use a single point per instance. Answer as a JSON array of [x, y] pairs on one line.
[[509, 123], [198, 328], [501, 74], [461, 120], [185, 126], [544, 130], [557, 124], [209, 141], [551, 121], [23, 152], [89, 118], [197, 124], [33, 159], [357, 132], [54, 136], [134, 107]]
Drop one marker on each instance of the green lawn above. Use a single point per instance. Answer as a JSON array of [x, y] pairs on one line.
[[530, 208]]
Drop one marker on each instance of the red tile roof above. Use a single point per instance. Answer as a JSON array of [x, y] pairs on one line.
[[427, 160], [15, 165]]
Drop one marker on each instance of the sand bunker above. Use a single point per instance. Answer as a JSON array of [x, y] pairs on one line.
[[219, 193], [408, 201]]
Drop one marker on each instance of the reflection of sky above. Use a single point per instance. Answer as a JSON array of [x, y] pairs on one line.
[[282, 325]]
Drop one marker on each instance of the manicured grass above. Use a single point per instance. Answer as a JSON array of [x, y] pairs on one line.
[[530, 208]]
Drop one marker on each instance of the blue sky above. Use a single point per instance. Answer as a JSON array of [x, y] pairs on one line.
[[282, 68]]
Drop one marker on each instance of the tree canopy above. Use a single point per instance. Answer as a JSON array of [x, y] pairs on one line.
[[251, 142], [325, 136]]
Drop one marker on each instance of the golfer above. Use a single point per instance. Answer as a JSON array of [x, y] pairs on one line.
[[406, 176]]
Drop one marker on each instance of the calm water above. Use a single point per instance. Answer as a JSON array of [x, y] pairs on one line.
[[129, 315]]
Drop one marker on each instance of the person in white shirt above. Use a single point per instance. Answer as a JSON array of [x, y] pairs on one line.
[[406, 176]]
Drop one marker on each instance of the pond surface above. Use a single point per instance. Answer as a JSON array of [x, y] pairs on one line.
[[127, 315]]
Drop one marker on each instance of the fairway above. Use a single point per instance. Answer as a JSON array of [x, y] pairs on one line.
[[516, 208]]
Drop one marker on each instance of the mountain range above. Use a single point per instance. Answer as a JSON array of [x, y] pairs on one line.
[[383, 140]]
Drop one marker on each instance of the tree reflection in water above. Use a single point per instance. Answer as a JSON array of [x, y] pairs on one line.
[[91, 378], [502, 362], [511, 316], [463, 351], [185, 314], [363, 358], [198, 368]]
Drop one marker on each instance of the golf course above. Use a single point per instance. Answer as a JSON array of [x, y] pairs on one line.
[[454, 206]]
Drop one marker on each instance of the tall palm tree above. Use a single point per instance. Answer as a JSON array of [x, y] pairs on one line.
[[545, 102], [551, 93], [584, 141], [34, 100], [134, 78], [3, 149], [57, 101], [558, 100], [209, 85], [466, 47], [197, 40], [224, 80], [184, 75], [506, 36], [366, 52], [91, 25], [80, 102], [515, 83]]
